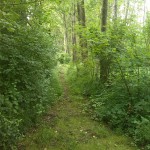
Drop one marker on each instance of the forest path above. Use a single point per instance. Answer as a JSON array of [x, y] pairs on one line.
[[67, 127]]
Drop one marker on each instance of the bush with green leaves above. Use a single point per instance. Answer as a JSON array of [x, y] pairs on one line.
[[82, 80], [64, 58], [27, 84], [123, 101], [9, 131], [120, 111]]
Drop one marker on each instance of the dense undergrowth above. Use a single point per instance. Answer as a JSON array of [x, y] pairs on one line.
[[27, 82], [67, 126], [123, 101], [113, 105], [110, 66]]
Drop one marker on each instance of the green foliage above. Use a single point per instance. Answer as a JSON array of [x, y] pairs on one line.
[[142, 132], [9, 131], [83, 81], [27, 57], [28, 84], [114, 107], [64, 58], [123, 101]]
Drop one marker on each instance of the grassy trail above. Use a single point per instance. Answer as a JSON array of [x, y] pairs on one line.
[[67, 127]]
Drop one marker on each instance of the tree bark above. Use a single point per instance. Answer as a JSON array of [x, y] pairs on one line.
[[104, 15], [115, 9], [74, 41], [104, 65], [66, 44], [82, 23]]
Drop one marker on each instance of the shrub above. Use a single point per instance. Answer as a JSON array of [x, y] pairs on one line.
[[27, 85]]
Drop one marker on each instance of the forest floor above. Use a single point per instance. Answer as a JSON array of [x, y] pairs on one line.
[[68, 127]]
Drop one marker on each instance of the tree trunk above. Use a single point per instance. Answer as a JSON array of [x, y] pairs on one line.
[[74, 41], [66, 44], [82, 23], [23, 14], [104, 15], [127, 10], [104, 65], [115, 9]]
